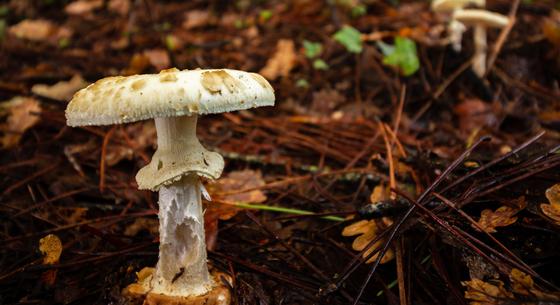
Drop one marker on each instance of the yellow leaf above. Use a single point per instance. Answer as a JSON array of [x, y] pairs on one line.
[[552, 210], [51, 247]]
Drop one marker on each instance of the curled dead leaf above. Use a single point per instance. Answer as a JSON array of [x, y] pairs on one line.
[[480, 292], [51, 248], [61, 91], [282, 62], [23, 114], [552, 210]]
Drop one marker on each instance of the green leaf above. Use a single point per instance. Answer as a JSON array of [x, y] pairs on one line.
[[320, 64], [402, 55], [312, 49], [265, 15], [302, 83], [350, 38], [358, 11]]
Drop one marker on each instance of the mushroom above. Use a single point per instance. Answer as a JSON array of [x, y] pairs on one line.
[[174, 99], [455, 28], [480, 19]]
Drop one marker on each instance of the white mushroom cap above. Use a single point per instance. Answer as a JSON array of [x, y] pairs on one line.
[[451, 5], [119, 99], [481, 17]]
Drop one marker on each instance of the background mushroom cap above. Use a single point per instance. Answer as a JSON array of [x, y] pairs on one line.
[[118, 99], [450, 5], [481, 17]]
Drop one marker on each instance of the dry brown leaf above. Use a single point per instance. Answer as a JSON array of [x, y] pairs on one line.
[[23, 114], [51, 248], [122, 7], [233, 181], [39, 30], [159, 58], [522, 284], [62, 91], [502, 217], [282, 62], [369, 229], [482, 293], [138, 63], [552, 210], [474, 114], [521, 288], [82, 7], [197, 18]]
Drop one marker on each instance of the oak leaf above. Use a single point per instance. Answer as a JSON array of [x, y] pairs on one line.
[[502, 217]]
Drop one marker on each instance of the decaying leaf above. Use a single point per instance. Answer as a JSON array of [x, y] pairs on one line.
[[368, 230], [483, 293], [122, 7], [82, 7], [502, 217], [39, 30], [521, 290], [51, 248], [62, 91], [552, 210], [197, 18], [23, 114], [159, 58], [282, 62], [245, 179], [474, 114]]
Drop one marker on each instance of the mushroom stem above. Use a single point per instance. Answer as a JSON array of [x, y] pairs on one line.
[[182, 268], [480, 45]]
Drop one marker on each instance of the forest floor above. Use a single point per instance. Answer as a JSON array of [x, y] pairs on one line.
[[382, 139]]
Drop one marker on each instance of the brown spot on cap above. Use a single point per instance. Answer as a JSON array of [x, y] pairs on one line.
[[216, 81], [168, 77], [139, 84]]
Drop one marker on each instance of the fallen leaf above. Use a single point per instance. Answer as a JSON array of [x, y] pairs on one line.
[[159, 58], [282, 62], [51, 248], [502, 217], [369, 229], [325, 101], [483, 293], [552, 210], [473, 114], [197, 18], [39, 30], [23, 114], [522, 291], [245, 179], [82, 7], [62, 91], [122, 7], [138, 63]]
